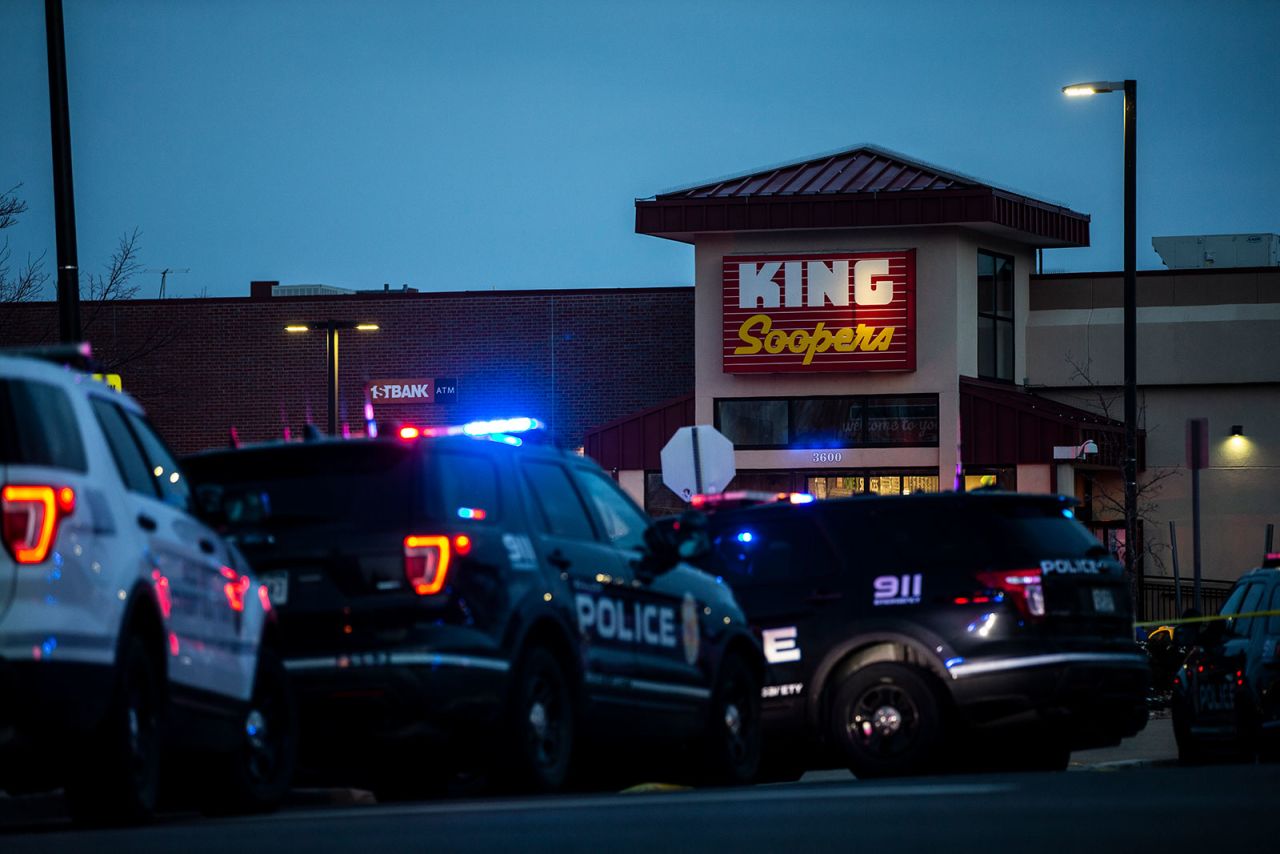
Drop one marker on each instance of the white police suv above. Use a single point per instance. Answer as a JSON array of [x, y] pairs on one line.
[[129, 631]]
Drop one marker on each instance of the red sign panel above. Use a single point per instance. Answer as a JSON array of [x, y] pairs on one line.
[[822, 312]]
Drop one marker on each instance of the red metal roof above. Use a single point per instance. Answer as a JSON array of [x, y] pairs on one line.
[[636, 441], [865, 186], [1002, 424]]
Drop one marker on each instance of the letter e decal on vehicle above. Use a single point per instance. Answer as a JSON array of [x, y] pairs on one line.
[[780, 645]]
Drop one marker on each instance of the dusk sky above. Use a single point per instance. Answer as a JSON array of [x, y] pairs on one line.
[[478, 145]]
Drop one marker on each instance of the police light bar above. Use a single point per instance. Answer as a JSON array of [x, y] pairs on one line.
[[499, 430], [1272, 560], [746, 498]]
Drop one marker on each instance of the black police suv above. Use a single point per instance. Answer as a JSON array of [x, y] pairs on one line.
[[911, 633], [462, 593], [1226, 697]]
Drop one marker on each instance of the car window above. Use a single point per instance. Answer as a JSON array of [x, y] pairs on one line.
[[38, 426], [132, 466], [468, 484], [170, 481], [562, 511], [299, 487], [754, 550], [1273, 622], [1252, 602], [624, 524]]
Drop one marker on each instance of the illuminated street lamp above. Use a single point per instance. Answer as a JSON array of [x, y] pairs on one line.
[[331, 327], [1130, 90]]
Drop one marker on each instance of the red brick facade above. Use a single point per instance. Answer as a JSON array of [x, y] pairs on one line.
[[572, 358]]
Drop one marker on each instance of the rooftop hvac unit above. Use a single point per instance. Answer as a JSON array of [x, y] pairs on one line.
[[1218, 250]]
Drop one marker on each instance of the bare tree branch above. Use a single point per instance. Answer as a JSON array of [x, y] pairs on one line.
[[11, 207], [115, 284]]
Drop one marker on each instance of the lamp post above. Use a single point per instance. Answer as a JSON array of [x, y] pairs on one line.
[[330, 327], [1130, 90]]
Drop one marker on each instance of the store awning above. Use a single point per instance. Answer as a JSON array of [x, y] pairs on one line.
[[1005, 425]]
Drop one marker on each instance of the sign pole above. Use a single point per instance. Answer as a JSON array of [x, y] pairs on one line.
[[697, 462], [1177, 579]]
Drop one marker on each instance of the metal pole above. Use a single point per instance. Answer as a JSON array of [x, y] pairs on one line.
[[63, 192], [1131, 330], [332, 327], [697, 462], [1177, 579], [1267, 541], [1195, 538]]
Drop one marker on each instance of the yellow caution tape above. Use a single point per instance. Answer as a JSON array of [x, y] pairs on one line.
[[1210, 619]]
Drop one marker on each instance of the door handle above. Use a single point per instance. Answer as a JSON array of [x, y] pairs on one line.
[[558, 560], [206, 546], [146, 522], [824, 596]]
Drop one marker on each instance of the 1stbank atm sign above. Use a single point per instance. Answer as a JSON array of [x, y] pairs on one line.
[[821, 312], [412, 391]]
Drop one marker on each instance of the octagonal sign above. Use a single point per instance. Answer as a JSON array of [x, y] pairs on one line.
[[698, 459]]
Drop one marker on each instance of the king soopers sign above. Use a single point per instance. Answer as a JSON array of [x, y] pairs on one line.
[[820, 312]]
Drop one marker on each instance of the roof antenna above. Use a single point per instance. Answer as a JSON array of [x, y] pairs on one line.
[[311, 433]]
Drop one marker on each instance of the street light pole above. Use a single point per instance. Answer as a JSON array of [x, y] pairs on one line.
[[330, 328], [333, 377], [1130, 462], [1130, 327]]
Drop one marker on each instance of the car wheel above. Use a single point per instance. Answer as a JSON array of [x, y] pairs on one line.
[[116, 780], [255, 775], [1190, 750], [540, 724], [733, 738], [887, 720]]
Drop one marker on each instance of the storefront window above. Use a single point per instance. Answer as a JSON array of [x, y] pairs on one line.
[[862, 421], [901, 482], [753, 423], [995, 316]]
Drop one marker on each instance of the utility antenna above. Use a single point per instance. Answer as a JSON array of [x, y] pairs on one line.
[[164, 274]]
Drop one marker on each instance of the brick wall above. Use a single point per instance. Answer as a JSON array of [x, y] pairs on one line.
[[572, 358]]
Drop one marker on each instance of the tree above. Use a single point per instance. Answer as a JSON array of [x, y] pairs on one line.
[[96, 290], [27, 282], [1107, 495]]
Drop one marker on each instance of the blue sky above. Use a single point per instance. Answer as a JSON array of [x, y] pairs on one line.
[[477, 145]]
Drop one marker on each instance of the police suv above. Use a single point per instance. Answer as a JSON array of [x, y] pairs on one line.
[[128, 628], [1226, 697], [905, 634], [448, 592]]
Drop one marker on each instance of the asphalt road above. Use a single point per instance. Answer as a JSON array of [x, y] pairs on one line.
[[1131, 799]]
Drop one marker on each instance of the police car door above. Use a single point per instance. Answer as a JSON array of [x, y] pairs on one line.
[[658, 613], [568, 543], [784, 574], [185, 557]]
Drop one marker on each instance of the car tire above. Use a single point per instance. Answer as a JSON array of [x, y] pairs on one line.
[[116, 779], [255, 775], [733, 739], [1190, 750], [540, 725], [887, 720]]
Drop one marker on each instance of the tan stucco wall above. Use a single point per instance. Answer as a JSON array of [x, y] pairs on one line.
[[946, 340], [1206, 349]]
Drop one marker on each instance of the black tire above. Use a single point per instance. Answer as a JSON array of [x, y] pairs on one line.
[[116, 779], [1190, 749], [887, 720], [540, 725], [733, 740], [255, 775]]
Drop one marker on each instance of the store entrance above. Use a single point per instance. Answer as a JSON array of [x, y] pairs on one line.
[[840, 483]]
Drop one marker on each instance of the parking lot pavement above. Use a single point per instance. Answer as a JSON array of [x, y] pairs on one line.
[[1153, 746]]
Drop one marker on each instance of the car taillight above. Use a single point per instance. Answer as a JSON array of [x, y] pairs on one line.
[[427, 558], [1024, 586], [31, 516]]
